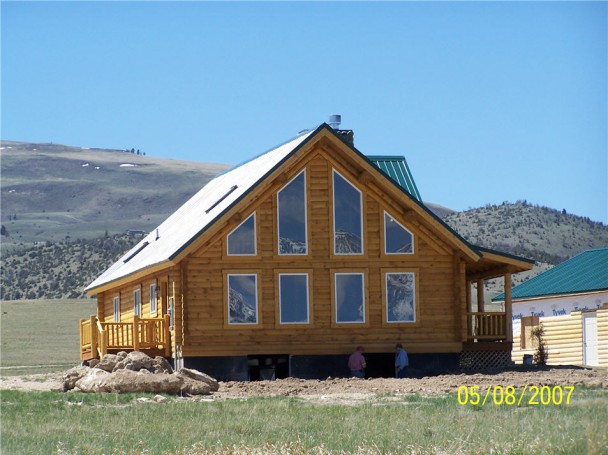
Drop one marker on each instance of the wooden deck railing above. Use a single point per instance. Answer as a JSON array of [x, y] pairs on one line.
[[97, 338], [487, 326]]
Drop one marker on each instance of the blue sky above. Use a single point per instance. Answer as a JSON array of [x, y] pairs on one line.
[[489, 102]]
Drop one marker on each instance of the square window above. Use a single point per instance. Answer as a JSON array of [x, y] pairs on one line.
[[400, 297], [242, 299], [293, 298], [349, 298]]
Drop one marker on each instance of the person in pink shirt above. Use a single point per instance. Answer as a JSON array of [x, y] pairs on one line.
[[356, 363]]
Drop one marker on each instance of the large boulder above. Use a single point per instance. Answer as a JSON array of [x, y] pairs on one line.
[[135, 361], [92, 381], [124, 381], [137, 372], [197, 383], [108, 363], [72, 376], [161, 365]]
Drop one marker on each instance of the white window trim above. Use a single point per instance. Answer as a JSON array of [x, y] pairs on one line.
[[117, 309], [136, 307], [362, 275], [385, 236], [305, 217], [386, 274], [307, 299], [333, 189], [257, 308], [255, 237], [153, 300]]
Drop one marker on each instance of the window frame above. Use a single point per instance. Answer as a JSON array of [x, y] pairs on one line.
[[526, 340], [256, 274], [116, 308], [153, 300], [303, 171], [417, 302], [255, 238], [385, 236], [333, 214], [299, 272], [137, 302], [334, 298]]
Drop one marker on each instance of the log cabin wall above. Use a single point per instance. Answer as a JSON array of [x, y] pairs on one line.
[[164, 285], [439, 319], [564, 339]]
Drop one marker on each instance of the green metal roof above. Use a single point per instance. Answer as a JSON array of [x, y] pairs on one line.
[[586, 272], [396, 168]]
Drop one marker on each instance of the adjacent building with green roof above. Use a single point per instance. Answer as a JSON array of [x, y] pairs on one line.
[[570, 301]]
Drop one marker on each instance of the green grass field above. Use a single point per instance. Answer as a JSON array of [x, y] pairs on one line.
[[38, 333], [47, 422], [77, 423]]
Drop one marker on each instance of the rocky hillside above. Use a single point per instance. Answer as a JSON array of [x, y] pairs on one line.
[[539, 233], [59, 270]]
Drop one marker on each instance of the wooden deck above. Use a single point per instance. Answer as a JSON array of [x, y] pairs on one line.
[[147, 335], [487, 326]]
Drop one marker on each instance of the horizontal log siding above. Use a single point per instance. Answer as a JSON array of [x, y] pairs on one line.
[[207, 333], [172, 278], [602, 336]]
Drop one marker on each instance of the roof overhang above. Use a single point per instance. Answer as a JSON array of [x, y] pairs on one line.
[[495, 264]]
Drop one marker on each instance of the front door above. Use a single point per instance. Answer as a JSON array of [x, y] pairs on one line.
[[590, 355]]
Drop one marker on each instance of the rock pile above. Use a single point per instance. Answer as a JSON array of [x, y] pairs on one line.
[[137, 372]]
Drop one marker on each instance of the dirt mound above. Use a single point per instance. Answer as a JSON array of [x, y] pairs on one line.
[[425, 385], [353, 390]]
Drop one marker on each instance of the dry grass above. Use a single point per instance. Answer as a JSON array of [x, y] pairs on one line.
[[41, 332]]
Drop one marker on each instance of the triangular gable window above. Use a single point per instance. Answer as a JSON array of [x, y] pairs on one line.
[[242, 240], [397, 239]]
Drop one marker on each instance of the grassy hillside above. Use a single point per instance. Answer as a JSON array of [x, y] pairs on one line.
[[54, 192]]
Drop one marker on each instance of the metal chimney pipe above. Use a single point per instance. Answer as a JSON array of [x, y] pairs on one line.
[[334, 121]]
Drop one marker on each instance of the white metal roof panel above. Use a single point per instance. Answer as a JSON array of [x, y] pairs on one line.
[[197, 213]]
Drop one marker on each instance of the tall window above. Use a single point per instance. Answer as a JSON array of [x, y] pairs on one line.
[[153, 309], [397, 239], [400, 297], [293, 298], [241, 241], [348, 219], [242, 299], [116, 309], [349, 297], [291, 202], [137, 302]]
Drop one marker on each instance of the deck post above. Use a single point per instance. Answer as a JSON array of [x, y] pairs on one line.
[[93, 335], [508, 309], [81, 339], [166, 322], [136, 333], [481, 307]]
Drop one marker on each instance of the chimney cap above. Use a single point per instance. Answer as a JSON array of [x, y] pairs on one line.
[[334, 121]]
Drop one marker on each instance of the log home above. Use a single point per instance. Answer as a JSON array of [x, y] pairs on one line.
[[283, 264]]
